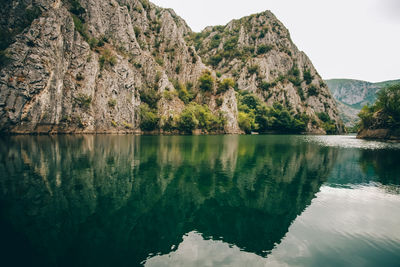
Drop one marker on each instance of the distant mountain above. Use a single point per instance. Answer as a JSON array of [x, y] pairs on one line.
[[348, 114], [352, 95]]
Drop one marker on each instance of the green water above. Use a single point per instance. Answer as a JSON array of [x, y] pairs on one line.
[[199, 201]]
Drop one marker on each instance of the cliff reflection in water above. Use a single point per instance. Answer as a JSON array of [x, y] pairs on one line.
[[115, 200]]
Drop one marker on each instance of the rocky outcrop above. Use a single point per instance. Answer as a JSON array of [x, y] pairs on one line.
[[89, 67], [258, 52], [379, 134], [378, 128]]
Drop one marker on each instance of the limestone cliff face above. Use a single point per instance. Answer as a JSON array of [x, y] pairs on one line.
[[89, 66], [258, 52]]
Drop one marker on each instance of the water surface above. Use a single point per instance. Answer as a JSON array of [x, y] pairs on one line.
[[199, 201]]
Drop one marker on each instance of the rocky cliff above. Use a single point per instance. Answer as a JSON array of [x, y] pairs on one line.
[[127, 65]]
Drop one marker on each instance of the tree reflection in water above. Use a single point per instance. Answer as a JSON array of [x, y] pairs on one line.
[[114, 200]]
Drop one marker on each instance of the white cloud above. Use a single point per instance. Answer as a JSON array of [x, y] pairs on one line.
[[196, 251]]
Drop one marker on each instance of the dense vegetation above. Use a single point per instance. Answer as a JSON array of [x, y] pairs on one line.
[[327, 123], [196, 116], [148, 118], [254, 115], [385, 113], [184, 91]]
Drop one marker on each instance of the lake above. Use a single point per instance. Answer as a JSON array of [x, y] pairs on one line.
[[266, 200]]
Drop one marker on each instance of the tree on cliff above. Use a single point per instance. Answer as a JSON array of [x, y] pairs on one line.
[[385, 113]]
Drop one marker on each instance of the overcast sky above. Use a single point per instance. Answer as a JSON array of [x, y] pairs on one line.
[[357, 39]]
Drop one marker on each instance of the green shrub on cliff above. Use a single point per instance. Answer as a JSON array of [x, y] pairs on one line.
[[385, 113], [263, 49], [265, 86], [184, 93], [107, 58], [196, 116], [254, 115], [225, 85], [247, 121], [215, 60], [253, 69], [312, 91], [76, 8], [308, 76], [150, 96], [367, 116], [4, 58], [389, 102], [148, 118], [83, 101], [206, 81], [215, 41], [81, 27], [327, 123], [231, 43]]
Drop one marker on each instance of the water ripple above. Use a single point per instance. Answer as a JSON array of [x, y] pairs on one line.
[[350, 141]]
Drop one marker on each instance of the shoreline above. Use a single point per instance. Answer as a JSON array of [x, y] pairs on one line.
[[136, 133], [379, 135]]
